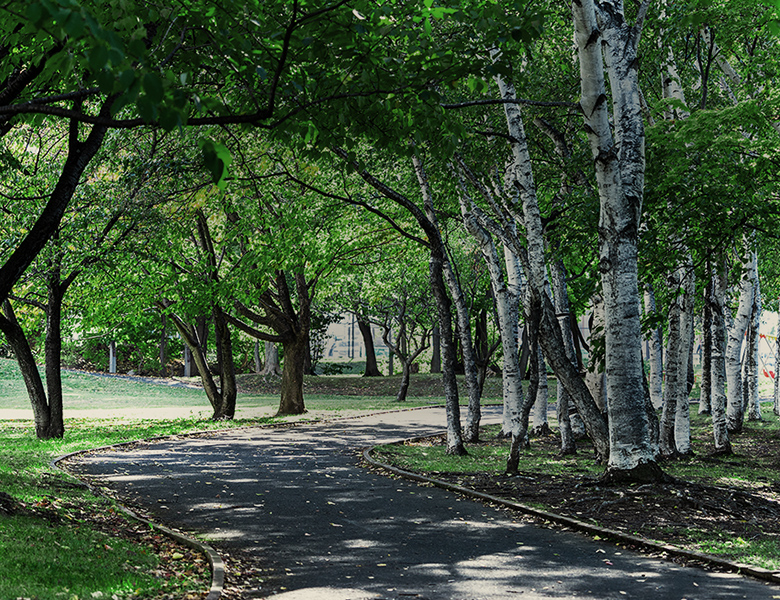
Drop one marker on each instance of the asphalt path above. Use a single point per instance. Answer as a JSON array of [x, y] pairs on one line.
[[298, 497]]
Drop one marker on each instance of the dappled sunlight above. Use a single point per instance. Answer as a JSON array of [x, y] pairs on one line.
[[327, 593], [297, 498]]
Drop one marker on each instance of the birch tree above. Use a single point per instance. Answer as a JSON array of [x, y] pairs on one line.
[[619, 165]]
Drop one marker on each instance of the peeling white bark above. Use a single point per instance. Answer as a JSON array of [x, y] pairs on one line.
[[656, 353], [620, 166], [735, 411]]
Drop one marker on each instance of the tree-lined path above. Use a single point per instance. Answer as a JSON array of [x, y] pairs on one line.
[[298, 498]]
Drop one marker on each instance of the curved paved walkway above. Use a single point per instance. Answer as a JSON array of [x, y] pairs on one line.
[[338, 532]]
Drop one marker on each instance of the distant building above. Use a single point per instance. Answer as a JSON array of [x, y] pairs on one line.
[[344, 342]]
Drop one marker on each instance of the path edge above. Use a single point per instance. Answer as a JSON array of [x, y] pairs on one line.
[[577, 525], [216, 564]]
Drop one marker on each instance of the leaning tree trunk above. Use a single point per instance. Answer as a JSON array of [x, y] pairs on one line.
[[506, 295], [32, 378], [439, 269], [227, 367], [620, 167], [474, 390], [520, 433], [735, 411], [717, 302], [550, 337]]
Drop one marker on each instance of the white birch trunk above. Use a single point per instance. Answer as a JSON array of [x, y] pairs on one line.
[[474, 411], [563, 309], [620, 167], [522, 180], [718, 361], [674, 369], [541, 425], [682, 421], [735, 412], [705, 396], [776, 390], [506, 294], [656, 353], [594, 375], [751, 362]]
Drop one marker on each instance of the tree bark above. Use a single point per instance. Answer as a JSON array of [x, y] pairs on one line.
[[506, 295], [656, 352], [436, 351], [750, 385], [705, 397], [735, 410], [372, 369], [271, 366], [296, 349], [32, 378], [563, 310], [718, 361], [620, 167]]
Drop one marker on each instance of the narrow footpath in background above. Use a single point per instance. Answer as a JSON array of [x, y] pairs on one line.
[[333, 530]]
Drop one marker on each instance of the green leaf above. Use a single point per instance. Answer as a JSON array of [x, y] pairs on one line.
[[153, 87]]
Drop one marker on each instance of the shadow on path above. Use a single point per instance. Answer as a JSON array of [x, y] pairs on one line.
[[297, 497]]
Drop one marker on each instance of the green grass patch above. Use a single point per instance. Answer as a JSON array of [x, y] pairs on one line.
[[46, 560]]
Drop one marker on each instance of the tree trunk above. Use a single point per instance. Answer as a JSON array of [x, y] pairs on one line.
[[563, 310], [735, 412], [372, 369], [776, 381], [112, 356], [656, 352], [718, 361], [53, 356], [620, 177], [296, 350], [682, 421], [594, 375], [541, 425], [187, 361], [164, 345], [406, 375], [474, 412], [271, 366], [506, 295], [751, 358], [520, 429], [436, 351], [227, 367], [439, 269], [673, 370], [550, 336], [705, 397], [32, 378], [256, 356]]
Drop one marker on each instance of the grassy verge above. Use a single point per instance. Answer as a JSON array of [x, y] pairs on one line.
[[61, 542], [723, 505]]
